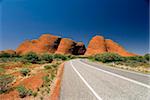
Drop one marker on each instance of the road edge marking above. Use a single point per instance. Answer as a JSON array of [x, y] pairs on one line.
[[119, 69], [122, 77], [85, 82]]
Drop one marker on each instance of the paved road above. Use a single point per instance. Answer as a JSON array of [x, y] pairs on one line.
[[83, 80]]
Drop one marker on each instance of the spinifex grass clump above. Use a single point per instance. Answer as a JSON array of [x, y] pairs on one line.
[[24, 71], [5, 83]]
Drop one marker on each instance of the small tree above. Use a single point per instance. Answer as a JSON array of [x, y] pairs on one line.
[[147, 57]]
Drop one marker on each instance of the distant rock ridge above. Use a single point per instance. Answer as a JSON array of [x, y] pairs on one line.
[[48, 43]]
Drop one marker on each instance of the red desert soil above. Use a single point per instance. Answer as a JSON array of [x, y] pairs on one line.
[[33, 82]]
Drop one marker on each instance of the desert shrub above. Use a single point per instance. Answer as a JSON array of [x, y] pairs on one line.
[[108, 57], [60, 57], [24, 71], [2, 70], [30, 92], [137, 58], [71, 57], [132, 63], [5, 55], [5, 81], [47, 57], [23, 92], [46, 79], [34, 94], [31, 57], [147, 57], [52, 66]]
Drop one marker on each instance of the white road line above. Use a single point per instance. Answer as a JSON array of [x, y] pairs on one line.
[[139, 83], [95, 94], [148, 75]]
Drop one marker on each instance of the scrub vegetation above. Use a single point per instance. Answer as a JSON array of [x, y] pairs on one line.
[[31, 75], [135, 63]]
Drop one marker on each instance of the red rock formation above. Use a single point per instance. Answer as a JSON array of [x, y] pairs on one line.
[[116, 48], [96, 46], [66, 46], [99, 45], [52, 44], [45, 44]]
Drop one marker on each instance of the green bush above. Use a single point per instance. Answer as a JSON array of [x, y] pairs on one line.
[[32, 57], [147, 57], [25, 71], [108, 57], [60, 57], [5, 81], [47, 57], [23, 92], [46, 79]]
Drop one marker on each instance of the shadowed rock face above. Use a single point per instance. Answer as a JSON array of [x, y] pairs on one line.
[[99, 45], [79, 49], [96, 46]]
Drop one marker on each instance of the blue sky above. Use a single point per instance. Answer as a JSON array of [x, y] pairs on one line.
[[125, 21]]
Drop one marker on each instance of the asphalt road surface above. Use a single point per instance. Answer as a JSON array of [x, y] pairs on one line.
[[83, 80]]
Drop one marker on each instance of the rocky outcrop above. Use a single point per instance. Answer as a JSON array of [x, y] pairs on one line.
[[48, 43], [99, 45], [66, 46], [45, 44], [116, 48], [9, 51], [96, 46]]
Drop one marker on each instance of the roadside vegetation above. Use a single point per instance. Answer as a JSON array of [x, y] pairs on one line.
[[16, 70], [135, 63], [17, 73]]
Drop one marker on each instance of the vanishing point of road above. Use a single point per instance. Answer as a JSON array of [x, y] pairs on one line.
[[84, 80]]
